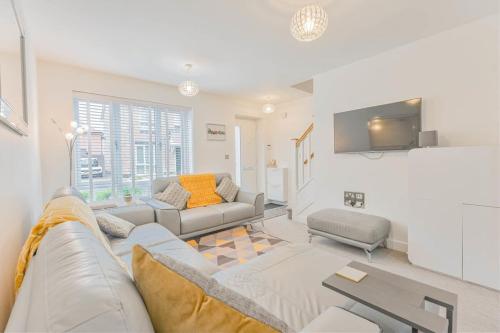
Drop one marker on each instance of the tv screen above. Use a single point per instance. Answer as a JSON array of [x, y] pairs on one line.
[[385, 127]]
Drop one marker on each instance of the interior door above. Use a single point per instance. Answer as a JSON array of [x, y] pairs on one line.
[[247, 164]]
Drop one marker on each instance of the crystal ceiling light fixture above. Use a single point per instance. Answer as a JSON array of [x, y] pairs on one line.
[[189, 88], [309, 23], [268, 107]]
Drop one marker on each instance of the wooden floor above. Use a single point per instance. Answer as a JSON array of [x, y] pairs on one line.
[[478, 307]]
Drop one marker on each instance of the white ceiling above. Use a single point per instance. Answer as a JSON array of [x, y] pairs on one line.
[[238, 47]]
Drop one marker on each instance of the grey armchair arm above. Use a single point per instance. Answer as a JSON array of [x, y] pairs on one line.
[[255, 199], [166, 215]]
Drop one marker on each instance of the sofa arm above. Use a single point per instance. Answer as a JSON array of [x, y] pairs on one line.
[[166, 215], [137, 214], [254, 199], [336, 319]]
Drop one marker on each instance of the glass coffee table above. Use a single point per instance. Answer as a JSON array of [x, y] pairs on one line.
[[400, 298]]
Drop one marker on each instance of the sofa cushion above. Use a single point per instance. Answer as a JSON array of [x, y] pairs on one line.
[[235, 211], [294, 295], [146, 235], [174, 195], [177, 249], [137, 214], [200, 218], [181, 299], [113, 225], [227, 189], [357, 226], [76, 285], [339, 320]]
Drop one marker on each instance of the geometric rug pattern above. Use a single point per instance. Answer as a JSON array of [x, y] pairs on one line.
[[234, 246]]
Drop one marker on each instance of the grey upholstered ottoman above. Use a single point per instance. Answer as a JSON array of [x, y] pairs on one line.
[[357, 229]]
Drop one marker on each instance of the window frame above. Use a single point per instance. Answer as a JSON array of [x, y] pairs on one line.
[[156, 159]]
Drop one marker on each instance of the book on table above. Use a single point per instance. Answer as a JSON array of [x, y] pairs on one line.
[[352, 274]]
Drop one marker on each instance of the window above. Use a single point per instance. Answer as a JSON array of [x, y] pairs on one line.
[[128, 145]]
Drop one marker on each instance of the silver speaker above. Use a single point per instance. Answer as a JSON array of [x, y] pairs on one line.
[[428, 139]]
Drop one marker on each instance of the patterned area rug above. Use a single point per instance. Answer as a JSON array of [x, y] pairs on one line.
[[234, 246]]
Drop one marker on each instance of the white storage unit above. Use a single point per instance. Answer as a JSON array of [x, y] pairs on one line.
[[454, 216], [277, 184], [481, 245]]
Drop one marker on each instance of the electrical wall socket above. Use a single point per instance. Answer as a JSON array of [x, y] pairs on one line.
[[354, 199]]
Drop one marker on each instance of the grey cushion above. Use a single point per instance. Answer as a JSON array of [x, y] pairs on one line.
[[227, 189], [146, 235], [113, 225], [357, 226], [200, 218], [174, 195], [235, 211]]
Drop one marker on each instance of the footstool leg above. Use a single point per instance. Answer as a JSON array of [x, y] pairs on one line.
[[310, 238], [369, 255]]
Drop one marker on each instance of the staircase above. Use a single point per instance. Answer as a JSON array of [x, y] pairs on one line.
[[303, 173]]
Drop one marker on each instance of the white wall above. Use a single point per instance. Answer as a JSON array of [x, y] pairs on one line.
[[455, 72], [289, 121], [20, 197], [57, 83]]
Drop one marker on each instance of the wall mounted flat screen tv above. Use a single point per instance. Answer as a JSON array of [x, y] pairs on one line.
[[393, 126]]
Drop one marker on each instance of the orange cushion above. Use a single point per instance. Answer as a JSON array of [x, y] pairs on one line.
[[202, 188]]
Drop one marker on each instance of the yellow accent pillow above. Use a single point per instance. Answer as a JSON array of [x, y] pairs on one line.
[[176, 304], [202, 188]]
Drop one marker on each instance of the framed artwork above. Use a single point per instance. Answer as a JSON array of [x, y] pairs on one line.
[[216, 132], [13, 106]]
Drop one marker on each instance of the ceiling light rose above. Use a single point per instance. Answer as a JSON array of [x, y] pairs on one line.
[[309, 23], [268, 108], [189, 88]]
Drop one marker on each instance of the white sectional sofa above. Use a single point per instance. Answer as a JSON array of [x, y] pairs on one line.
[[74, 284]]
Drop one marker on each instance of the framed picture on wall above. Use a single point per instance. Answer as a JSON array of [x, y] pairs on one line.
[[216, 132]]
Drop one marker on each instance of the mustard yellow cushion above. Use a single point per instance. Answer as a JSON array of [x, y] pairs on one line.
[[202, 188], [177, 304]]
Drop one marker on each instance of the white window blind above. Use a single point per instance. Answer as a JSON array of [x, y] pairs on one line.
[[129, 143]]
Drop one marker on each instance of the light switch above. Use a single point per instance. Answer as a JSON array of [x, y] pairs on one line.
[[227, 156]]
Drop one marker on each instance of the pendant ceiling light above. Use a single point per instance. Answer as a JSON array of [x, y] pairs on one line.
[[268, 108], [309, 23], [189, 88]]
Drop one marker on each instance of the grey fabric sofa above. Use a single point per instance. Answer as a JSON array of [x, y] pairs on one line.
[[246, 209], [73, 284]]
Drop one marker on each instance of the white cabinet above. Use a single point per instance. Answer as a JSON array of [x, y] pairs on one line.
[[481, 245], [435, 239], [277, 184], [454, 225]]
